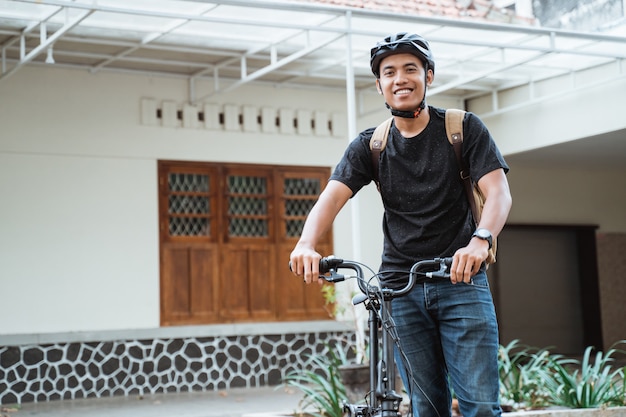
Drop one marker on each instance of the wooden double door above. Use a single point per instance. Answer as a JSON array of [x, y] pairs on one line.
[[226, 231]]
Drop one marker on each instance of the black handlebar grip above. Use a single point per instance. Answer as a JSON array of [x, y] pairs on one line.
[[328, 263]]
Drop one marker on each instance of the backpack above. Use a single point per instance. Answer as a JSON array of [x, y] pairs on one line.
[[454, 132]]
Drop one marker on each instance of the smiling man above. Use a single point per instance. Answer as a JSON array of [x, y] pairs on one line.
[[447, 329]]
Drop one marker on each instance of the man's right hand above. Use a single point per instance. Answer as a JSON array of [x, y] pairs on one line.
[[305, 262]]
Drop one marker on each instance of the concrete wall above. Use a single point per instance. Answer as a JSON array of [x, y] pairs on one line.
[[566, 108]]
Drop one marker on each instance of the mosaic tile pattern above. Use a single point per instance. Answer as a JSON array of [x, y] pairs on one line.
[[34, 373]]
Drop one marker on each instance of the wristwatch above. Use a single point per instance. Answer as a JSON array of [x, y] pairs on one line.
[[484, 234]]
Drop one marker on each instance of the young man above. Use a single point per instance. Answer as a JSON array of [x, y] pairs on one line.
[[448, 329]]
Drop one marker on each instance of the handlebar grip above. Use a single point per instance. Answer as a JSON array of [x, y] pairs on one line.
[[328, 263]]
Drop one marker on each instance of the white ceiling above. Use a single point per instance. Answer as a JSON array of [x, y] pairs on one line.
[[281, 43]]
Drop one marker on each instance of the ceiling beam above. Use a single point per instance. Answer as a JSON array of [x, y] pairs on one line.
[[45, 44], [282, 62]]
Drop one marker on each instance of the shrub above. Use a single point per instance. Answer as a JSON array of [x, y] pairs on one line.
[[591, 383], [321, 385], [530, 378], [521, 369]]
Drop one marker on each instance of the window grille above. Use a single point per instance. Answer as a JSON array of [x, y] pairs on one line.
[[300, 196], [247, 206], [188, 204]]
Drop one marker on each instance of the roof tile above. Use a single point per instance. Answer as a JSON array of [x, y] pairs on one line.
[[481, 10]]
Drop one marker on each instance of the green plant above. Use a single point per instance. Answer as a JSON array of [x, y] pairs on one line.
[[321, 384], [590, 383], [521, 370], [329, 292]]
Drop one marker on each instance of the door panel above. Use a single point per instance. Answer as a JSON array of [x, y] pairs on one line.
[[537, 286], [188, 284]]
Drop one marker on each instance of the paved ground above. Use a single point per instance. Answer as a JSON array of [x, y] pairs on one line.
[[256, 402]]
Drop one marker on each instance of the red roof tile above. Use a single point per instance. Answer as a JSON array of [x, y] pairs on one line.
[[482, 10]]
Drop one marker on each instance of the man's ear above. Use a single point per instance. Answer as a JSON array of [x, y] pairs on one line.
[[380, 91], [430, 77]]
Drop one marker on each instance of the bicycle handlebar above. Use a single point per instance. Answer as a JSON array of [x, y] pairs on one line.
[[330, 264]]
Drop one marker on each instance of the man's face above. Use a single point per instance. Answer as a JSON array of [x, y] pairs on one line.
[[402, 81]]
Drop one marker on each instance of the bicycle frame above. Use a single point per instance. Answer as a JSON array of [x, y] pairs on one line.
[[383, 400]]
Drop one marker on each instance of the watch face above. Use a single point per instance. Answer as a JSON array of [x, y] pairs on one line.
[[483, 233]]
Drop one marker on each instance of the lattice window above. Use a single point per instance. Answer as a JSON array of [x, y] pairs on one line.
[[300, 196], [247, 206], [189, 205]]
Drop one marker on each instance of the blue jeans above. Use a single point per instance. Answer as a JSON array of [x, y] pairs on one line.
[[449, 336]]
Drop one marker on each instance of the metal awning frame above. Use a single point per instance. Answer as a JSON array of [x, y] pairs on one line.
[[477, 64]]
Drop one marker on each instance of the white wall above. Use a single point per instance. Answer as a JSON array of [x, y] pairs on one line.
[[592, 110], [78, 185], [79, 242], [568, 196]]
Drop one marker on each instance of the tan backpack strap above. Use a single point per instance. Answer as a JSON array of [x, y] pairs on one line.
[[454, 131], [454, 125], [378, 143]]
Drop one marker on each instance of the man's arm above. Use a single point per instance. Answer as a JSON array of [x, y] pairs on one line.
[[304, 258], [467, 260]]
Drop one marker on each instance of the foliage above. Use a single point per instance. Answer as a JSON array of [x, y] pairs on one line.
[[520, 368], [321, 385], [591, 383], [329, 292], [533, 378], [336, 308], [530, 378]]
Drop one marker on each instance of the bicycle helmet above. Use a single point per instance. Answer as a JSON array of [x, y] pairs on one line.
[[398, 44]]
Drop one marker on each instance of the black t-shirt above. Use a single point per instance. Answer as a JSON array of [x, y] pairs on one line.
[[427, 214]]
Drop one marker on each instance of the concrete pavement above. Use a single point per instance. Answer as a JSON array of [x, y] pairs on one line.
[[240, 402]]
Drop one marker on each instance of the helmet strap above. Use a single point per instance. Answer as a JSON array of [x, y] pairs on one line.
[[408, 114]]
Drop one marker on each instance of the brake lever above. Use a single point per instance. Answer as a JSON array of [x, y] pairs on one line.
[[443, 271], [333, 276]]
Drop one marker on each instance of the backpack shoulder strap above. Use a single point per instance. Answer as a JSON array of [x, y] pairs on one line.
[[454, 125], [378, 143], [454, 131]]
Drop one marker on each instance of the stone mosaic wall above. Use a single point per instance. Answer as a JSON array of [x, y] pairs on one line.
[[33, 373]]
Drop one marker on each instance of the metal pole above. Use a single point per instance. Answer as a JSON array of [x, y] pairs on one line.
[[359, 315], [351, 115]]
